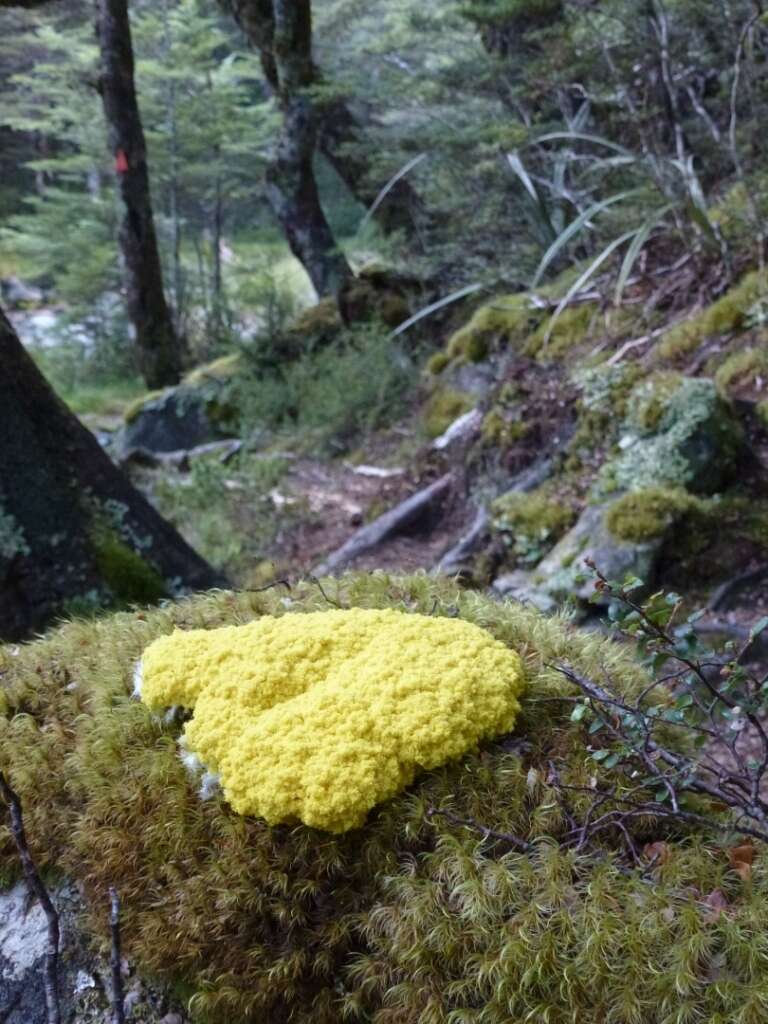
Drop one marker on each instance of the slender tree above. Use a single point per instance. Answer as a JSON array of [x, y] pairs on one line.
[[339, 131], [291, 185], [159, 347], [71, 524]]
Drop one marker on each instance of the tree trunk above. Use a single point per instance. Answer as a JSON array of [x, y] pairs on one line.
[[281, 31], [73, 530], [159, 348], [339, 130], [293, 196], [337, 126]]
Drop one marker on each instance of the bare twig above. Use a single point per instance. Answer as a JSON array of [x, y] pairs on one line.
[[38, 891], [319, 586], [488, 833]]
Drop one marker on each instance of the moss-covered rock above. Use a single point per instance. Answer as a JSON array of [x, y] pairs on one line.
[[648, 514], [188, 415], [731, 312], [678, 432], [530, 523], [562, 575], [287, 923], [742, 368], [555, 338], [504, 322], [443, 407], [219, 370]]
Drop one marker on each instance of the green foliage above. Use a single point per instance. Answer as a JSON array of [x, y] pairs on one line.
[[90, 365], [334, 393], [226, 511], [648, 514]]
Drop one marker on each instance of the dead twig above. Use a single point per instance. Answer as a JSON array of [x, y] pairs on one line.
[[488, 833], [38, 891]]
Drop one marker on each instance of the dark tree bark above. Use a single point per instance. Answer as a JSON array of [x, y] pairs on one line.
[[293, 196], [291, 186], [71, 524], [338, 130], [159, 347]]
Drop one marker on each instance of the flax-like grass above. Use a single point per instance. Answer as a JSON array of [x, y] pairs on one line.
[[413, 918]]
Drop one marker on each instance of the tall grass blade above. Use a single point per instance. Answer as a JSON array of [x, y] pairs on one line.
[[469, 289], [588, 273]]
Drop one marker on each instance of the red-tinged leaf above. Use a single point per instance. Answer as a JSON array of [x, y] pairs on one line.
[[741, 858], [660, 852]]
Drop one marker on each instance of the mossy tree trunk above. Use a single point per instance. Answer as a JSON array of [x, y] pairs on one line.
[[73, 530], [339, 131], [159, 347]]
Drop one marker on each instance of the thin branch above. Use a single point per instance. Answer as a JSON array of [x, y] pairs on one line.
[[38, 891], [488, 833]]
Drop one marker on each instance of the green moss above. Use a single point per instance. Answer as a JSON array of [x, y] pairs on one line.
[[762, 412], [730, 313], [130, 578], [741, 368], [437, 363], [260, 924], [531, 522], [499, 431], [443, 408], [551, 341], [504, 322], [219, 370], [133, 408], [647, 515]]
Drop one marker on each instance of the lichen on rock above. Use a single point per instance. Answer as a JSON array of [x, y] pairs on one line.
[[678, 432]]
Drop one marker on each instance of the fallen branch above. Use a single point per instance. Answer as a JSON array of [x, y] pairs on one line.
[[397, 519], [38, 891]]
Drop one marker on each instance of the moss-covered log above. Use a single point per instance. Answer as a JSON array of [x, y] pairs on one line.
[[72, 528]]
